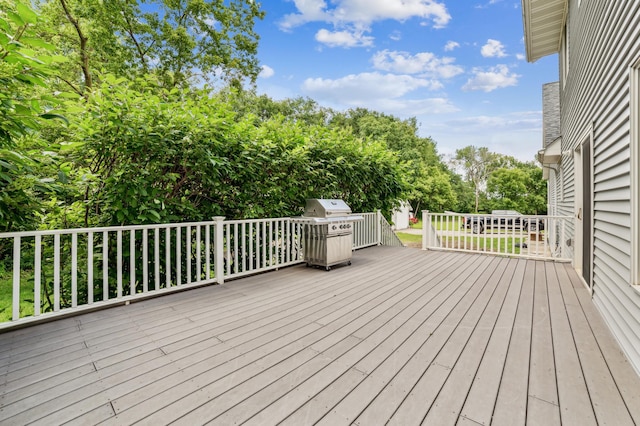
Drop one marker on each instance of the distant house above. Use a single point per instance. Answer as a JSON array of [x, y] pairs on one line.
[[591, 152]]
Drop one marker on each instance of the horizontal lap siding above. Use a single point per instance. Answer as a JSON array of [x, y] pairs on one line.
[[604, 42]]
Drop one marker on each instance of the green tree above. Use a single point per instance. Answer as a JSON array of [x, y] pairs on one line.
[[507, 189], [427, 176], [536, 198], [519, 186], [25, 100], [476, 164], [146, 155], [262, 107], [183, 42], [433, 191]]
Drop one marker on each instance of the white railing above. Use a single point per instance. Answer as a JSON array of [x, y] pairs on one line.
[[538, 237], [374, 231], [365, 233], [57, 271], [388, 236], [252, 246]]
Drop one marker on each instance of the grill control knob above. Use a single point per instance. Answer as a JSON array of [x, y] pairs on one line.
[[333, 227]]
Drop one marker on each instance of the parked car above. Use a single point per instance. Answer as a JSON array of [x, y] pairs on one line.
[[503, 219]]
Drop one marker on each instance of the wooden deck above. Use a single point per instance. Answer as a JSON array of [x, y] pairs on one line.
[[402, 336]]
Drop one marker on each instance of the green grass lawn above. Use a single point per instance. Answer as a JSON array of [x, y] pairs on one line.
[[496, 245], [482, 243], [450, 224], [410, 239], [6, 290], [417, 225]]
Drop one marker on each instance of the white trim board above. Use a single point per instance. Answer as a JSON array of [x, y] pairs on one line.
[[634, 92]]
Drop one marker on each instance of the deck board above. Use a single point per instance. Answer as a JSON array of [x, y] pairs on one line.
[[511, 404], [450, 401], [438, 356], [572, 389], [543, 393], [481, 399], [402, 335]]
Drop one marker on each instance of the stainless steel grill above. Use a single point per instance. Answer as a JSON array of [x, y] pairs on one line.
[[328, 232]]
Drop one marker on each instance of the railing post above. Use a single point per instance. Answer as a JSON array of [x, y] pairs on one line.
[[15, 309], [426, 229], [378, 227], [218, 249]]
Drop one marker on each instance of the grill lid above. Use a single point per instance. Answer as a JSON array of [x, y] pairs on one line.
[[326, 208]]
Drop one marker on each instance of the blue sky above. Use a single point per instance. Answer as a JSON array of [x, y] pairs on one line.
[[458, 66]]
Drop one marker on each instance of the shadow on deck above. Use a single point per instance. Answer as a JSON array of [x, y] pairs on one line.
[[404, 336]]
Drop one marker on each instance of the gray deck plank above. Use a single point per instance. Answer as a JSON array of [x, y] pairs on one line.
[[331, 385], [210, 410], [608, 404], [323, 334], [431, 292], [393, 392], [572, 389], [449, 336], [434, 363], [626, 377], [448, 405], [511, 404], [543, 405], [482, 396], [281, 387]]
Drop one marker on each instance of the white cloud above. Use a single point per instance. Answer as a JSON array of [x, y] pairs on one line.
[[365, 88], [490, 3], [523, 120], [451, 45], [424, 63], [516, 134], [266, 72], [406, 108], [520, 57], [365, 12], [343, 38], [493, 49], [494, 78], [395, 36], [310, 11]]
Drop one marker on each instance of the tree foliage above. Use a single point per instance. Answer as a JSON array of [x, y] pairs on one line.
[[146, 143], [155, 155], [182, 42], [477, 164], [501, 182], [428, 178], [26, 63], [520, 189]]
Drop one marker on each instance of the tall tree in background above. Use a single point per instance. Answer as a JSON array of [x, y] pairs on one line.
[[477, 164], [507, 189], [520, 188], [428, 177], [182, 41], [26, 64]]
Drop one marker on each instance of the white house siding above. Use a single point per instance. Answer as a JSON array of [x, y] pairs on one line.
[[604, 41]]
